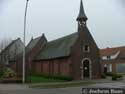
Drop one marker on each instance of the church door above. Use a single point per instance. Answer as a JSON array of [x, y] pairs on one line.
[[86, 69]]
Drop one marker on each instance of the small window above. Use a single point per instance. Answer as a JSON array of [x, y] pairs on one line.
[[108, 57], [86, 48]]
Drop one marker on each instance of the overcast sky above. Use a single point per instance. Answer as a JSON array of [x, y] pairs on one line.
[[57, 18]]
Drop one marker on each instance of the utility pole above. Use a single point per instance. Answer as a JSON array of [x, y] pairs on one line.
[[24, 50]]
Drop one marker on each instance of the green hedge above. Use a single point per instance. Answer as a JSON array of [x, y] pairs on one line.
[[1, 73], [60, 77], [109, 74], [116, 76]]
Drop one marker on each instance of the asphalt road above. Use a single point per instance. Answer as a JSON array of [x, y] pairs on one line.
[[23, 89]]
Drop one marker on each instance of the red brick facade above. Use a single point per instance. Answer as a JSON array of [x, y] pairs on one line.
[[53, 67]]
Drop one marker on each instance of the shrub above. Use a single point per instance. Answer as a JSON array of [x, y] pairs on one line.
[[60, 77], [7, 72], [1, 73], [116, 76], [119, 76], [103, 76], [109, 74]]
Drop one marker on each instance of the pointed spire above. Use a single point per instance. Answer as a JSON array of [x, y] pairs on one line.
[[32, 38], [82, 16]]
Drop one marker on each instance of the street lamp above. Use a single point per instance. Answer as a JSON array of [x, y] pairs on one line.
[[24, 50]]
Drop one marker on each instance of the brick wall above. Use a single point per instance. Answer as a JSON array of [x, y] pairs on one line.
[[53, 67]]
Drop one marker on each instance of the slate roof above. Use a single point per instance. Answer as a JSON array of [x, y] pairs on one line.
[[11, 44], [32, 43], [57, 48], [14, 48]]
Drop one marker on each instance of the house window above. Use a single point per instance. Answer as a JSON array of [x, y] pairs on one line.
[[108, 57], [86, 48]]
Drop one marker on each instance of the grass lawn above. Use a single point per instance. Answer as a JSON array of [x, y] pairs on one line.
[[37, 79], [61, 85], [46, 82]]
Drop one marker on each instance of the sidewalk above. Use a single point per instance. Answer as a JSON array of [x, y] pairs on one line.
[[13, 87]]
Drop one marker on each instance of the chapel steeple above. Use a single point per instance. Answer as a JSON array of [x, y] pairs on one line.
[[82, 18]]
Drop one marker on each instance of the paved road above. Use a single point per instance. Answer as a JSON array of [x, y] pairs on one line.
[[23, 89]]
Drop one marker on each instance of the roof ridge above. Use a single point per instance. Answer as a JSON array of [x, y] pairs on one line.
[[11, 43], [37, 37], [113, 47], [33, 39], [62, 37]]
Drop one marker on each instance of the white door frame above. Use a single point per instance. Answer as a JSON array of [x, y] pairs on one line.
[[90, 68]]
